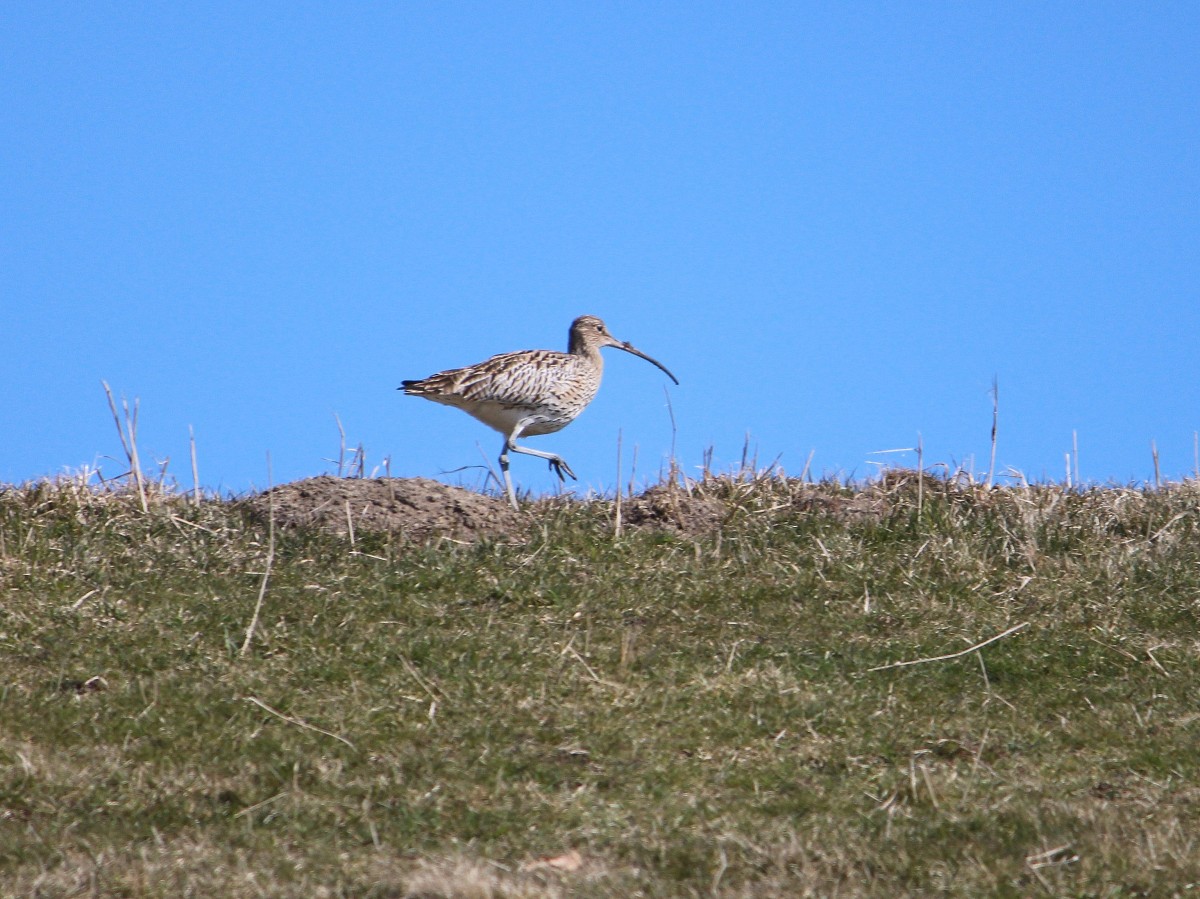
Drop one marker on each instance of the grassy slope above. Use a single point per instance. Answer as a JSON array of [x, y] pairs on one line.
[[694, 716]]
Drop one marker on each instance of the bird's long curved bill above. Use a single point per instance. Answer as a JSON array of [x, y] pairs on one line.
[[630, 348]]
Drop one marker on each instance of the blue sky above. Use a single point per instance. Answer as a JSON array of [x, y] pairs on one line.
[[836, 223]]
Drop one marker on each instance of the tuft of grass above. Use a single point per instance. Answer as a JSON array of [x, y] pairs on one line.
[[706, 702]]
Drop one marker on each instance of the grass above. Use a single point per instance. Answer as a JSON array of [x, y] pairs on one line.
[[693, 715]]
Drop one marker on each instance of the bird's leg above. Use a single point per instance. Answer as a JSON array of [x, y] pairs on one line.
[[557, 463], [512, 496]]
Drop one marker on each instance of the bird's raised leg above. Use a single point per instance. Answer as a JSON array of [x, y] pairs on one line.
[[557, 463]]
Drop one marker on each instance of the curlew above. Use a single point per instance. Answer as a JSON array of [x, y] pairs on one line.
[[530, 392]]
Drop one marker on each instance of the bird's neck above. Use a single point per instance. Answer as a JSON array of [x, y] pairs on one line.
[[580, 347]]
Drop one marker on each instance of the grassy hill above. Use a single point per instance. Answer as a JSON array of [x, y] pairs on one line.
[[704, 700]]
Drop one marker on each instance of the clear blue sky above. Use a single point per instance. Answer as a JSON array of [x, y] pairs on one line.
[[835, 222]]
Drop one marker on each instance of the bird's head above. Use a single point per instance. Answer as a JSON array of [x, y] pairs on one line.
[[589, 334]]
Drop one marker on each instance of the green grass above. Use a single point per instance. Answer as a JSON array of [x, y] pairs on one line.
[[695, 715]]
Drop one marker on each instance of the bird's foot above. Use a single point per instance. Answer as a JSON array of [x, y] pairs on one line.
[[559, 466]]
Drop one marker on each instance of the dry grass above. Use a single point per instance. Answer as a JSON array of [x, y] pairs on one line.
[[690, 706]]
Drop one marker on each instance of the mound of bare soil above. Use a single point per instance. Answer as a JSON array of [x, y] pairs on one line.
[[419, 509], [413, 507], [865, 505], [668, 508]]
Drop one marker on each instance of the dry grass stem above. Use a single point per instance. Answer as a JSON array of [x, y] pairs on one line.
[[127, 431], [262, 587], [995, 429], [195, 467], [341, 469], [297, 721], [954, 655], [617, 499]]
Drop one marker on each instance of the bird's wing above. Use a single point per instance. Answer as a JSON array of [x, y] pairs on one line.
[[509, 378]]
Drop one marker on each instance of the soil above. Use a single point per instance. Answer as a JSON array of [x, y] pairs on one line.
[[866, 505], [419, 509], [415, 508], [668, 509]]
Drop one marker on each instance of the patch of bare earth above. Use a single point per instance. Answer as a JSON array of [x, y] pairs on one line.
[[708, 505], [415, 508], [420, 509], [670, 508]]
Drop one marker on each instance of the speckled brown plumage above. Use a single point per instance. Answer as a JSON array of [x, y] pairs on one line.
[[530, 392]]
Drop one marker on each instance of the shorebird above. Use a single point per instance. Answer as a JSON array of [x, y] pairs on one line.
[[530, 392]]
